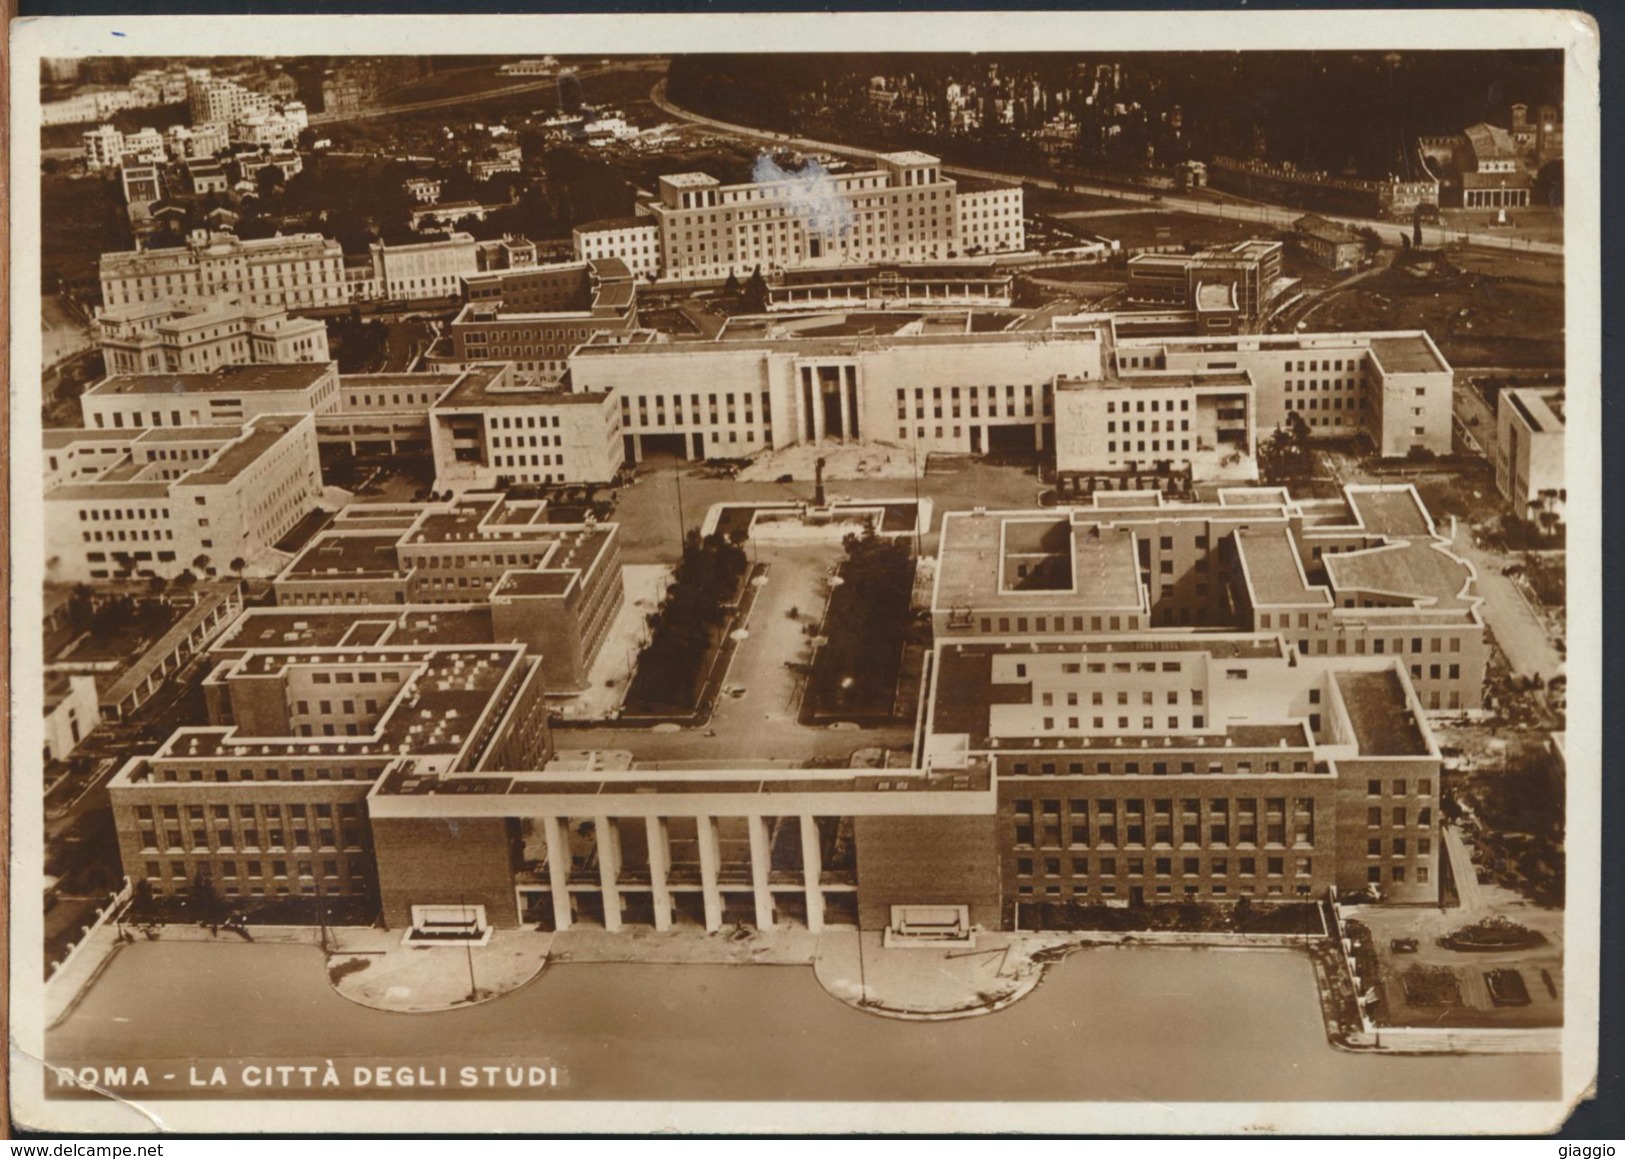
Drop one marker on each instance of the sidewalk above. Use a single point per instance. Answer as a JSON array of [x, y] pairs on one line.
[[927, 983], [374, 968]]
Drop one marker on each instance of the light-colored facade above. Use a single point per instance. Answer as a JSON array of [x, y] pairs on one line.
[[956, 393], [1366, 575], [1529, 434], [1096, 765], [990, 220], [981, 393], [1394, 387], [1204, 423], [104, 148], [70, 712], [301, 271], [554, 587], [491, 426], [536, 317], [197, 339], [187, 498], [633, 240], [1249, 273], [209, 139], [431, 269], [217, 99], [225, 396], [903, 210]]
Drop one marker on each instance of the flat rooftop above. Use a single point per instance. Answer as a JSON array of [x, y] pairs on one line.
[[909, 157], [1067, 564], [534, 583], [1542, 408], [207, 434], [1274, 569], [604, 224], [1422, 573], [358, 555], [1396, 511], [1383, 723], [477, 388], [235, 379], [1407, 354], [357, 626], [237, 457], [964, 691], [406, 781], [599, 346]]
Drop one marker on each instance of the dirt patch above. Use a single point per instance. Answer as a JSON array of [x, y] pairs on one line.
[[1477, 319]]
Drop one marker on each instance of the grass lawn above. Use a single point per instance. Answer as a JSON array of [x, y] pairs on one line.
[[1056, 201], [1134, 230], [1477, 319], [854, 675]]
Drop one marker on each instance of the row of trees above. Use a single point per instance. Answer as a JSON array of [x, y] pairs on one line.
[[673, 666]]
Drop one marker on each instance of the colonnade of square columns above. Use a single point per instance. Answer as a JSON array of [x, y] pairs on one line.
[[661, 887]]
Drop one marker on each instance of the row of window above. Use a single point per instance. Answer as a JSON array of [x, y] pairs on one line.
[[1108, 891], [1027, 867]]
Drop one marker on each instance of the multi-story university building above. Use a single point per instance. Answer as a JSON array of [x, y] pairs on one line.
[[270, 798], [490, 426], [1366, 575], [976, 393], [535, 317], [195, 338], [397, 753], [554, 587], [175, 498], [301, 271], [904, 210], [224, 396], [1529, 472], [1229, 289]]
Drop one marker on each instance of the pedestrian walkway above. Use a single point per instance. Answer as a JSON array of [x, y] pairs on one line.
[[1468, 891], [376, 968], [928, 983]]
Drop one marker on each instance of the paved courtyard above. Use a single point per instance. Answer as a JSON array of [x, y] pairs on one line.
[[760, 685], [647, 509]]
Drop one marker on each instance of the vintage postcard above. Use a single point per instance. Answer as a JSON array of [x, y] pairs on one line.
[[805, 573]]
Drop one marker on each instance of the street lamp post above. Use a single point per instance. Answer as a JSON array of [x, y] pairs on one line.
[[468, 950]]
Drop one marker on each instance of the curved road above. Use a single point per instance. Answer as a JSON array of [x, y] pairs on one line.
[[1279, 217], [550, 82]]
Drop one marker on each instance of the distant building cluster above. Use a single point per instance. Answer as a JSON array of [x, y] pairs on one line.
[[196, 338], [1488, 167], [1287, 184], [904, 210], [151, 88]]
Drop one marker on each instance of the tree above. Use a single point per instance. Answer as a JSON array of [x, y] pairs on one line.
[[1416, 231], [731, 286], [755, 299], [185, 580], [201, 563], [238, 564]]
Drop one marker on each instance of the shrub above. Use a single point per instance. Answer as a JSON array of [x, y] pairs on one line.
[[1431, 986], [1493, 933]]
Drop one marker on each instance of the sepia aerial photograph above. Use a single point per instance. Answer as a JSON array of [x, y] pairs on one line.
[[884, 576]]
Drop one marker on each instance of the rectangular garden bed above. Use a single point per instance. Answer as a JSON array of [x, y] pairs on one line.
[[854, 675]]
